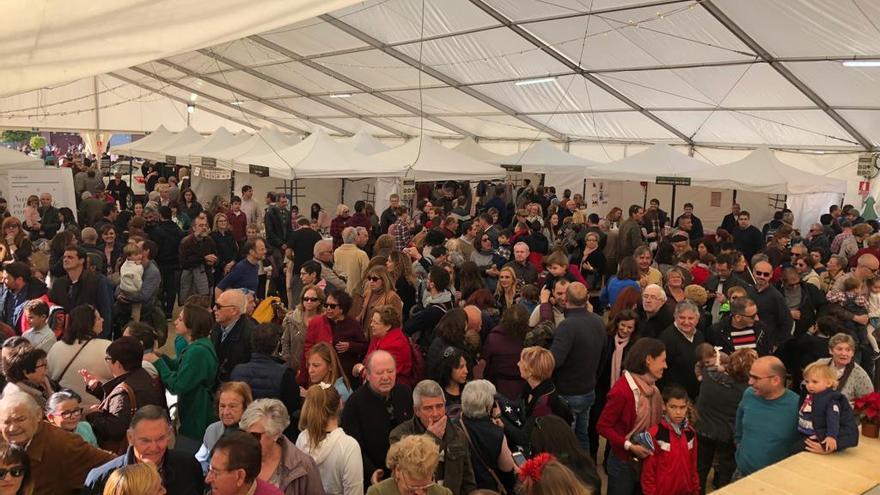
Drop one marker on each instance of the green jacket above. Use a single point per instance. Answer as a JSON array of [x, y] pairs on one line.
[[192, 377], [455, 467], [389, 487]]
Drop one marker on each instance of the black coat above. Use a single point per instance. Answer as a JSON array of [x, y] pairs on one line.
[[112, 420], [774, 313], [653, 327], [681, 358], [366, 418], [577, 347], [277, 226], [167, 235], [748, 241], [181, 473], [719, 335], [235, 348]]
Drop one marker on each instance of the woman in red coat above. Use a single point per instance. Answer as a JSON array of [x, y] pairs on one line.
[[338, 330], [633, 406], [386, 335]]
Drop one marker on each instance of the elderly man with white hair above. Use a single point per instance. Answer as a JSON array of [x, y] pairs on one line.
[[323, 252], [232, 335], [429, 408], [681, 340], [350, 260], [481, 420], [59, 460], [654, 315], [524, 269]]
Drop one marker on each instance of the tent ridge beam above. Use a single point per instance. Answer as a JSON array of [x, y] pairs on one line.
[[357, 84], [219, 101], [181, 100], [765, 55], [366, 38], [293, 89], [251, 96], [576, 68]]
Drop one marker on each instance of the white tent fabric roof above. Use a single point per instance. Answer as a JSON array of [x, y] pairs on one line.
[[236, 157], [186, 141], [155, 149], [472, 149], [102, 36], [424, 159], [761, 171], [159, 136], [658, 160], [220, 140], [364, 144], [635, 71], [543, 157], [320, 156], [16, 159]]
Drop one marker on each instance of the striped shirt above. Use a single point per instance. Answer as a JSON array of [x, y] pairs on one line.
[[743, 338]]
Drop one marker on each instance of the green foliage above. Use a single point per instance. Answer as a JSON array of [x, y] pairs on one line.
[[37, 142], [15, 136]]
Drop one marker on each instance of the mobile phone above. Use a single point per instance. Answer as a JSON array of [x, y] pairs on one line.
[[519, 459]]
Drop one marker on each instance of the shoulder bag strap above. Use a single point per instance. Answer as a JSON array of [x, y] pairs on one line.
[[342, 373], [132, 401], [501, 489], [72, 360]]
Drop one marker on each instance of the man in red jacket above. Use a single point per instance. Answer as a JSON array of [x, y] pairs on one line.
[[672, 468]]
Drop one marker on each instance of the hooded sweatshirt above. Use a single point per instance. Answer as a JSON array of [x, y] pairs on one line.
[[339, 461]]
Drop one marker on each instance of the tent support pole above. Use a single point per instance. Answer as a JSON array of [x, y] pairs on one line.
[[342, 193], [734, 195], [672, 206]]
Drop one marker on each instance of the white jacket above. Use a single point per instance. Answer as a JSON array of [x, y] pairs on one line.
[[339, 461]]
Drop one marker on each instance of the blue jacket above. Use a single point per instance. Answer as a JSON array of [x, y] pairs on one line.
[[613, 289], [829, 415], [181, 473], [269, 379]]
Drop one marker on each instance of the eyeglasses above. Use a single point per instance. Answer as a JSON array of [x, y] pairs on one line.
[[373, 278], [221, 306], [311, 299], [763, 274], [758, 378], [331, 305], [72, 413], [749, 317], [15, 471], [407, 489], [212, 471]]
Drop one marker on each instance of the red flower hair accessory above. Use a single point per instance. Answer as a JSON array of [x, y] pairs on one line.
[[532, 469]]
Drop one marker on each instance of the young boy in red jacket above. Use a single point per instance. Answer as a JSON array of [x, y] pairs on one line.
[[672, 468]]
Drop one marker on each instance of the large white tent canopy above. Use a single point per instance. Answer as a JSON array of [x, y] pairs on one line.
[[659, 160], [423, 159], [703, 73], [543, 157]]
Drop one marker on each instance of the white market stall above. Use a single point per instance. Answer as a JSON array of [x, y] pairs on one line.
[[561, 169], [159, 136], [365, 144], [808, 195], [178, 150]]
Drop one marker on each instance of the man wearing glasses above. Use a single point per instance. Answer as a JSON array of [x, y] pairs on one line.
[[232, 335], [149, 436], [236, 461], [766, 419], [743, 330], [772, 309]]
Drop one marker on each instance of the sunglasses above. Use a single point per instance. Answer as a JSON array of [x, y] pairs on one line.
[[16, 472], [331, 305], [311, 299], [763, 274], [373, 278]]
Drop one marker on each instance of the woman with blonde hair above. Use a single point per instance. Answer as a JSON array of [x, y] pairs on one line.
[[412, 461], [135, 479], [296, 322], [506, 292], [322, 365], [384, 245], [227, 247], [337, 455], [540, 398], [379, 291]]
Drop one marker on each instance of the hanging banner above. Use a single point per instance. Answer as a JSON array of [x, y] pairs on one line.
[[209, 162], [259, 170], [673, 181], [212, 173]]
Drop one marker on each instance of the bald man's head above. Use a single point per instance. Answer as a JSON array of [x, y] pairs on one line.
[[867, 266], [767, 377], [576, 295], [474, 317]]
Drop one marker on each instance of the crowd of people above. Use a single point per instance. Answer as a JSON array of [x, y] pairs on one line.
[[476, 341]]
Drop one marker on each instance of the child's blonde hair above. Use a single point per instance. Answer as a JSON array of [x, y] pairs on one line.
[[822, 371], [132, 250], [851, 284]]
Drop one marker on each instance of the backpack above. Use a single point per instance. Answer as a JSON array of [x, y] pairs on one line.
[[417, 372]]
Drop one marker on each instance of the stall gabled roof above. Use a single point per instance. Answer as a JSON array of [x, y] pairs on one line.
[[656, 161], [543, 157], [761, 171], [472, 149], [219, 140], [155, 150], [320, 156], [15, 159], [268, 140], [364, 143], [160, 135], [183, 144], [424, 159]]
